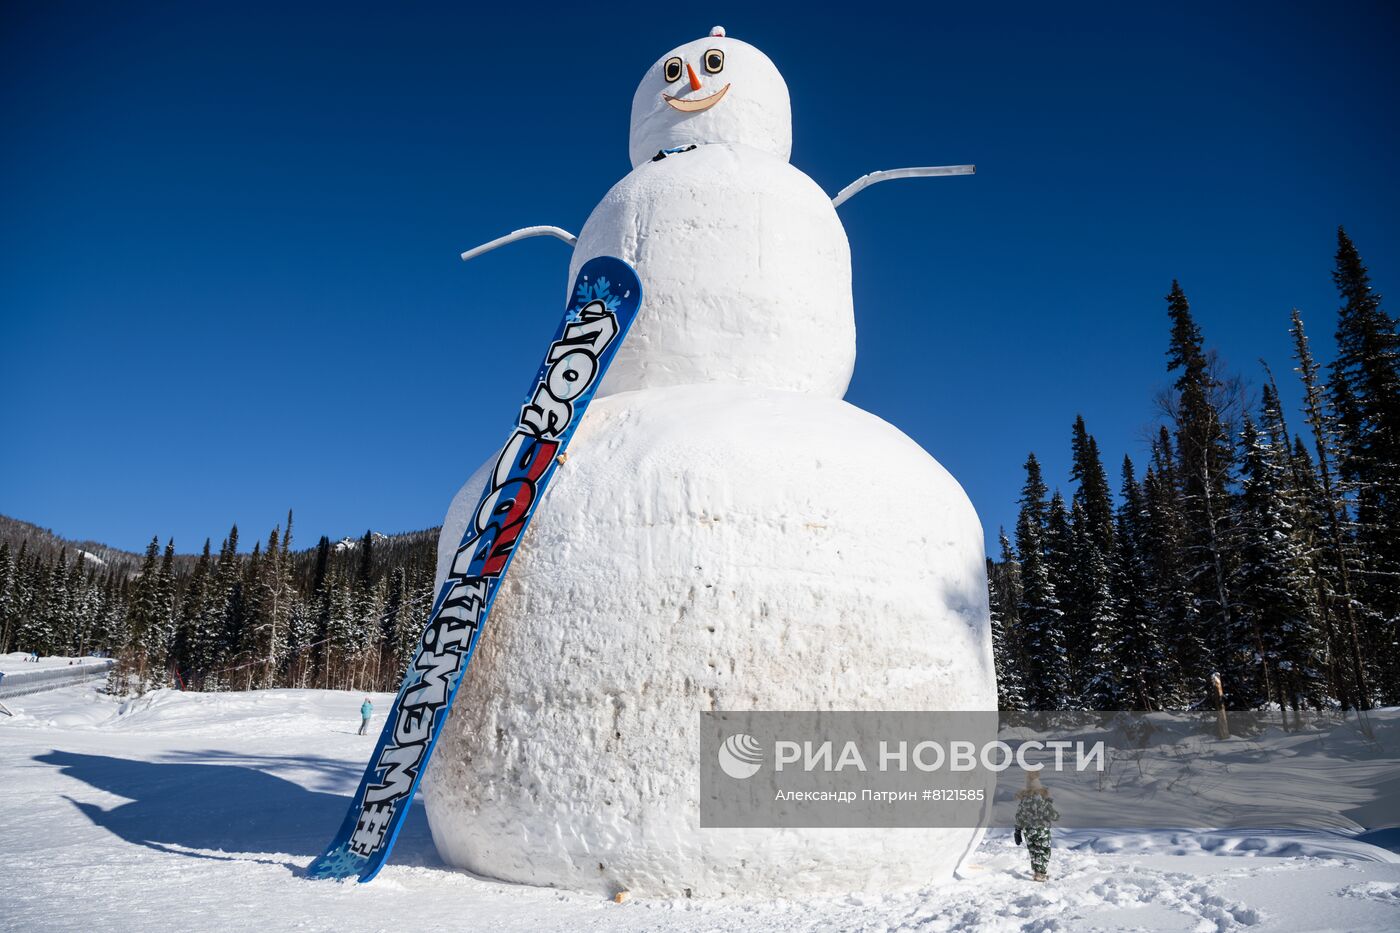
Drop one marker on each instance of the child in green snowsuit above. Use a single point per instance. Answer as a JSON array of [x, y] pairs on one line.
[[1034, 815]]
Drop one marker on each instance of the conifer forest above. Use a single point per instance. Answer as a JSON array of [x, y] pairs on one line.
[[338, 616], [1256, 544]]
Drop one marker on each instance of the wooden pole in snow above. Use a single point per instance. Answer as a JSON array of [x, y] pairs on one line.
[[1222, 721]]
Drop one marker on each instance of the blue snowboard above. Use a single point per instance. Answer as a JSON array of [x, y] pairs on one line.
[[606, 298]]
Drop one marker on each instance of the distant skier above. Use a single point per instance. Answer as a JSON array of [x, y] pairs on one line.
[[366, 710], [1034, 815]]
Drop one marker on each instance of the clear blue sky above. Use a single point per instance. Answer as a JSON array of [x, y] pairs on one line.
[[228, 232]]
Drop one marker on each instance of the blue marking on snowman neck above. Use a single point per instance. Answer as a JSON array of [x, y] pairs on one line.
[[663, 153]]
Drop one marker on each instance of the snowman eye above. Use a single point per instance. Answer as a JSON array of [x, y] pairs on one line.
[[714, 61], [671, 71]]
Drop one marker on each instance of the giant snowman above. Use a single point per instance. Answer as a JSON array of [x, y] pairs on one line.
[[727, 534]]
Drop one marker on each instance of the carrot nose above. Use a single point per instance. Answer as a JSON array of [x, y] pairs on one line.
[[694, 80]]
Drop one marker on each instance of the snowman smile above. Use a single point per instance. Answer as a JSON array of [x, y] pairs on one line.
[[696, 104]]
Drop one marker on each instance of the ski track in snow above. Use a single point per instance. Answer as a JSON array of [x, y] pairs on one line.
[[200, 811]]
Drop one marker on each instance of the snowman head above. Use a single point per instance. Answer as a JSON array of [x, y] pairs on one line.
[[712, 90]]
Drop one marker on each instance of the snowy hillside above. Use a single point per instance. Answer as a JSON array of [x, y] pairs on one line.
[[17, 662], [199, 811]]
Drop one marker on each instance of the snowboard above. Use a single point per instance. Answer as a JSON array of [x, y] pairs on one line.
[[605, 300]]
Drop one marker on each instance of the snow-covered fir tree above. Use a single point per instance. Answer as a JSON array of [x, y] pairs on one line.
[[1335, 557], [1098, 684], [1071, 631], [1004, 599], [1046, 675], [1273, 576], [1139, 665], [1203, 472], [1092, 495], [7, 595], [1365, 392]]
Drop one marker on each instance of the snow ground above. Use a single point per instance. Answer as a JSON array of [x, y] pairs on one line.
[[199, 811], [18, 662]]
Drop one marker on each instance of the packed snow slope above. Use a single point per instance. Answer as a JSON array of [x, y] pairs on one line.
[[200, 811], [21, 673], [21, 662]]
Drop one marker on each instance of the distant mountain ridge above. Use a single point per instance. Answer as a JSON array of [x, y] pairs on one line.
[[48, 545]]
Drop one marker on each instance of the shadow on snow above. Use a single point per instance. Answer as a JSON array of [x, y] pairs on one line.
[[226, 810]]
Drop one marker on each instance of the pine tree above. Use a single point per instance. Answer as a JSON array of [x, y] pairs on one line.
[[1203, 463], [221, 630], [325, 641], [1251, 686], [249, 608], [418, 602], [7, 596], [188, 650], [374, 635], [1092, 496], [1177, 608], [342, 631], [1137, 656], [58, 608], [1009, 588], [1312, 535], [22, 590], [1274, 572], [269, 623], [364, 576], [397, 628], [162, 633], [1092, 614], [87, 607], [80, 607], [1046, 677], [366, 606], [1004, 597], [32, 631], [1098, 685], [111, 633], [1060, 560], [318, 574], [1365, 390], [1336, 561], [142, 624], [207, 611], [301, 620]]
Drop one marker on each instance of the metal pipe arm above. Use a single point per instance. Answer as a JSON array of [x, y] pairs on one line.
[[926, 171], [521, 234]]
